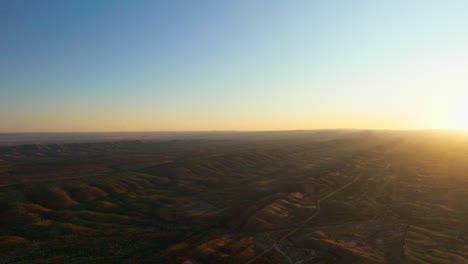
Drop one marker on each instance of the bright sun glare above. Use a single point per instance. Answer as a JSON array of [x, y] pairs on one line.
[[461, 113]]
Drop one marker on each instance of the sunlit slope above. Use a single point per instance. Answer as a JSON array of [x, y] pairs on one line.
[[408, 206]]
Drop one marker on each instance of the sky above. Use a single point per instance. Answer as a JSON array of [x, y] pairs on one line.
[[114, 65]]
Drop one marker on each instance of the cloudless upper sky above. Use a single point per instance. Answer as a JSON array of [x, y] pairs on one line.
[[114, 65]]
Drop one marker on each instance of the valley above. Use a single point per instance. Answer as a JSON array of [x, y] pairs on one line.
[[299, 197]]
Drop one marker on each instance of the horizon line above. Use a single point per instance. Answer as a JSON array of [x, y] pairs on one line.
[[205, 131]]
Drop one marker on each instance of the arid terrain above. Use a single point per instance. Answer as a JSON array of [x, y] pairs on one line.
[[297, 197]]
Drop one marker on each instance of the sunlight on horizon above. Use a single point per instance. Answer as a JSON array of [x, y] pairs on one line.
[[461, 113]]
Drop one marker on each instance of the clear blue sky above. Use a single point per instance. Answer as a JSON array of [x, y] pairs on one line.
[[223, 65]]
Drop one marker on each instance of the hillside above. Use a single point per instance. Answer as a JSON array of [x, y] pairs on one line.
[[347, 197]]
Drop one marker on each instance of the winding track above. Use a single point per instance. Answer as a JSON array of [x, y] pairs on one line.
[[316, 213]]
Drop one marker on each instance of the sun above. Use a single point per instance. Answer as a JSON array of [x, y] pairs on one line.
[[461, 113]]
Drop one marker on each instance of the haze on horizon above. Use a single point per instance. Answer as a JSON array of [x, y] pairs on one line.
[[232, 65]]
